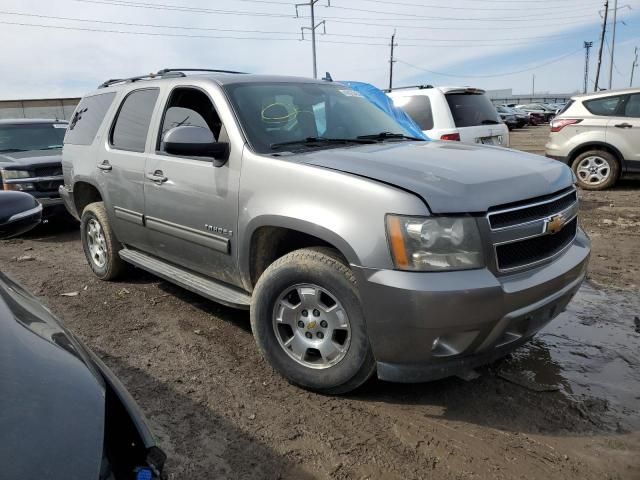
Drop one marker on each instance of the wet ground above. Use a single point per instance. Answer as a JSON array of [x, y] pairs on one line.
[[564, 406]]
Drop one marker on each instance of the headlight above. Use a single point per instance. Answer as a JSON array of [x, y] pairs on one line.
[[434, 243], [14, 174]]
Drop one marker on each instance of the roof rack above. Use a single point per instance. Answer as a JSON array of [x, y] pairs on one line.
[[420, 87], [164, 73]]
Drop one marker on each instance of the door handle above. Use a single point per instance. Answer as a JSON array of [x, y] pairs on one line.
[[624, 125], [105, 166], [157, 177]]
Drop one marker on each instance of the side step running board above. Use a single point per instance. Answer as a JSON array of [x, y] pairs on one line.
[[210, 289]]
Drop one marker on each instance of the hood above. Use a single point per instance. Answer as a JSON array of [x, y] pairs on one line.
[[30, 158], [450, 177], [52, 401]]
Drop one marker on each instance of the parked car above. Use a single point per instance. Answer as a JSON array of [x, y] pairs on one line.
[[540, 110], [30, 160], [453, 113], [598, 135], [534, 117], [358, 250], [19, 213], [63, 413], [509, 118]]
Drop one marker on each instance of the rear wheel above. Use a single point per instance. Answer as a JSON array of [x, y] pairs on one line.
[[596, 169], [308, 322], [99, 243]]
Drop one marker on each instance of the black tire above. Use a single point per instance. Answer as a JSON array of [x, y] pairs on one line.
[[610, 159], [322, 267], [113, 264]]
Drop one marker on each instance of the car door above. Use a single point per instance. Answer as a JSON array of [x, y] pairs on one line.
[[191, 205], [121, 166], [623, 131]]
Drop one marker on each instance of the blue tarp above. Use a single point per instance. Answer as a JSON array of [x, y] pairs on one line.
[[384, 103]]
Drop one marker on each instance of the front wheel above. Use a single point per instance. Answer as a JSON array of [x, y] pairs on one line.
[[596, 170], [308, 323]]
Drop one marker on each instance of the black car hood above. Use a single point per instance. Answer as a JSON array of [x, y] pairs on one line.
[[52, 399], [30, 158], [450, 177]]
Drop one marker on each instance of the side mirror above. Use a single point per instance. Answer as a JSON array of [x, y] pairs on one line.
[[19, 213], [192, 141]]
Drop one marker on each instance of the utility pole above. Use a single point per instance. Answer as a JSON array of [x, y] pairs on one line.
[[633, 66], [587, 47], [604, 30], [311, 4], [613, 41], [391, 60], [533, 86]]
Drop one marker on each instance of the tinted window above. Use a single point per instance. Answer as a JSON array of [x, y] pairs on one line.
[[470, 109], [603, 106], [632, 109], [87, 118], [132, 125], [38, 136], [566, 107], [418, 107]]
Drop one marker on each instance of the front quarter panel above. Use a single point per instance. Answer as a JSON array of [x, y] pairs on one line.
[[344, 210]]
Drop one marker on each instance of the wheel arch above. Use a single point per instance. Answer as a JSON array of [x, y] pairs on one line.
[[84, 193], [584, 147], [269, 237]]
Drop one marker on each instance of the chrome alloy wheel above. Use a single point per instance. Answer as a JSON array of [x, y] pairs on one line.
[[97, 243], [311, 326], [593, 170]]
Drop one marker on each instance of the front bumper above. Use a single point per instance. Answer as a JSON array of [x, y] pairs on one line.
[[424, 326]]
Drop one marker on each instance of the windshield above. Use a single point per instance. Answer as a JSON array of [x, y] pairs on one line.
[[277, 114], [31, 136], [471, 109]]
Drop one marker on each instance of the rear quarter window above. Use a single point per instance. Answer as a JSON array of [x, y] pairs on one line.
[[472, 109], [603, 106], [132, 122], [418, 107], [87, 118]]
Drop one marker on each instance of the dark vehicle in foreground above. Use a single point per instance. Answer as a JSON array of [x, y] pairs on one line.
[[30, 160], [63, 414], [358, 249]]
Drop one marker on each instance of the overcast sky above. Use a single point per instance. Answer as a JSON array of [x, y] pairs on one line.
[[474, 42]]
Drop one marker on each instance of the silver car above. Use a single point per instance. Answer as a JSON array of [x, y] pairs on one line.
[[598, 136], [359, 250]]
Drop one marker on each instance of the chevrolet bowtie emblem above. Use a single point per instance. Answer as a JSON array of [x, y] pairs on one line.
[[554, 224]]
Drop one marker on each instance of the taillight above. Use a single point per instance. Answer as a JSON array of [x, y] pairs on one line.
[[559, 124], [451, 136]]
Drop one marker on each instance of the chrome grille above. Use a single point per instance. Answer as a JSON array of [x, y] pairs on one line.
[[529, 233]]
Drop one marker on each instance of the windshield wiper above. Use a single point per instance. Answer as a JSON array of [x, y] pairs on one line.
[[312, 141], [388, 136], [489, 122], [51, 147], [13, 150]]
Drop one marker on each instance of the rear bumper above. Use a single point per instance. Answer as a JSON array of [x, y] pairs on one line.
[[424, 326], [66, 194]]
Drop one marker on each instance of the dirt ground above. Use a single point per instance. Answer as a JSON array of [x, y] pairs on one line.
[[565, 406]]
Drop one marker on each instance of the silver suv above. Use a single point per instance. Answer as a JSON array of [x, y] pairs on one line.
[[357, 249], [598, 135]]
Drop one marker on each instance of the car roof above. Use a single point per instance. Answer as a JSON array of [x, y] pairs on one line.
[[444, 89], [606, 93], [29, 121]]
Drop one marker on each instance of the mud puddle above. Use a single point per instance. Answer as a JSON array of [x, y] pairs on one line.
[[591, 353]]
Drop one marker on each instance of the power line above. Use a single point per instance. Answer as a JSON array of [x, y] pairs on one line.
[[555, 60], [472, 8]]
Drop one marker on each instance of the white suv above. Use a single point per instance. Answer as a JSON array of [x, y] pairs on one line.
[[598, 136], [453, 113]]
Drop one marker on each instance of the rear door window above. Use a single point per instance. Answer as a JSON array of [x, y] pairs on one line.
[[632, 108], [132, 123], [603, 106], [418, 107], [471, 109], [87, 118]]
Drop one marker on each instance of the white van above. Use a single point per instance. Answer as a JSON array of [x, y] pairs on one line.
[[463, 114]]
